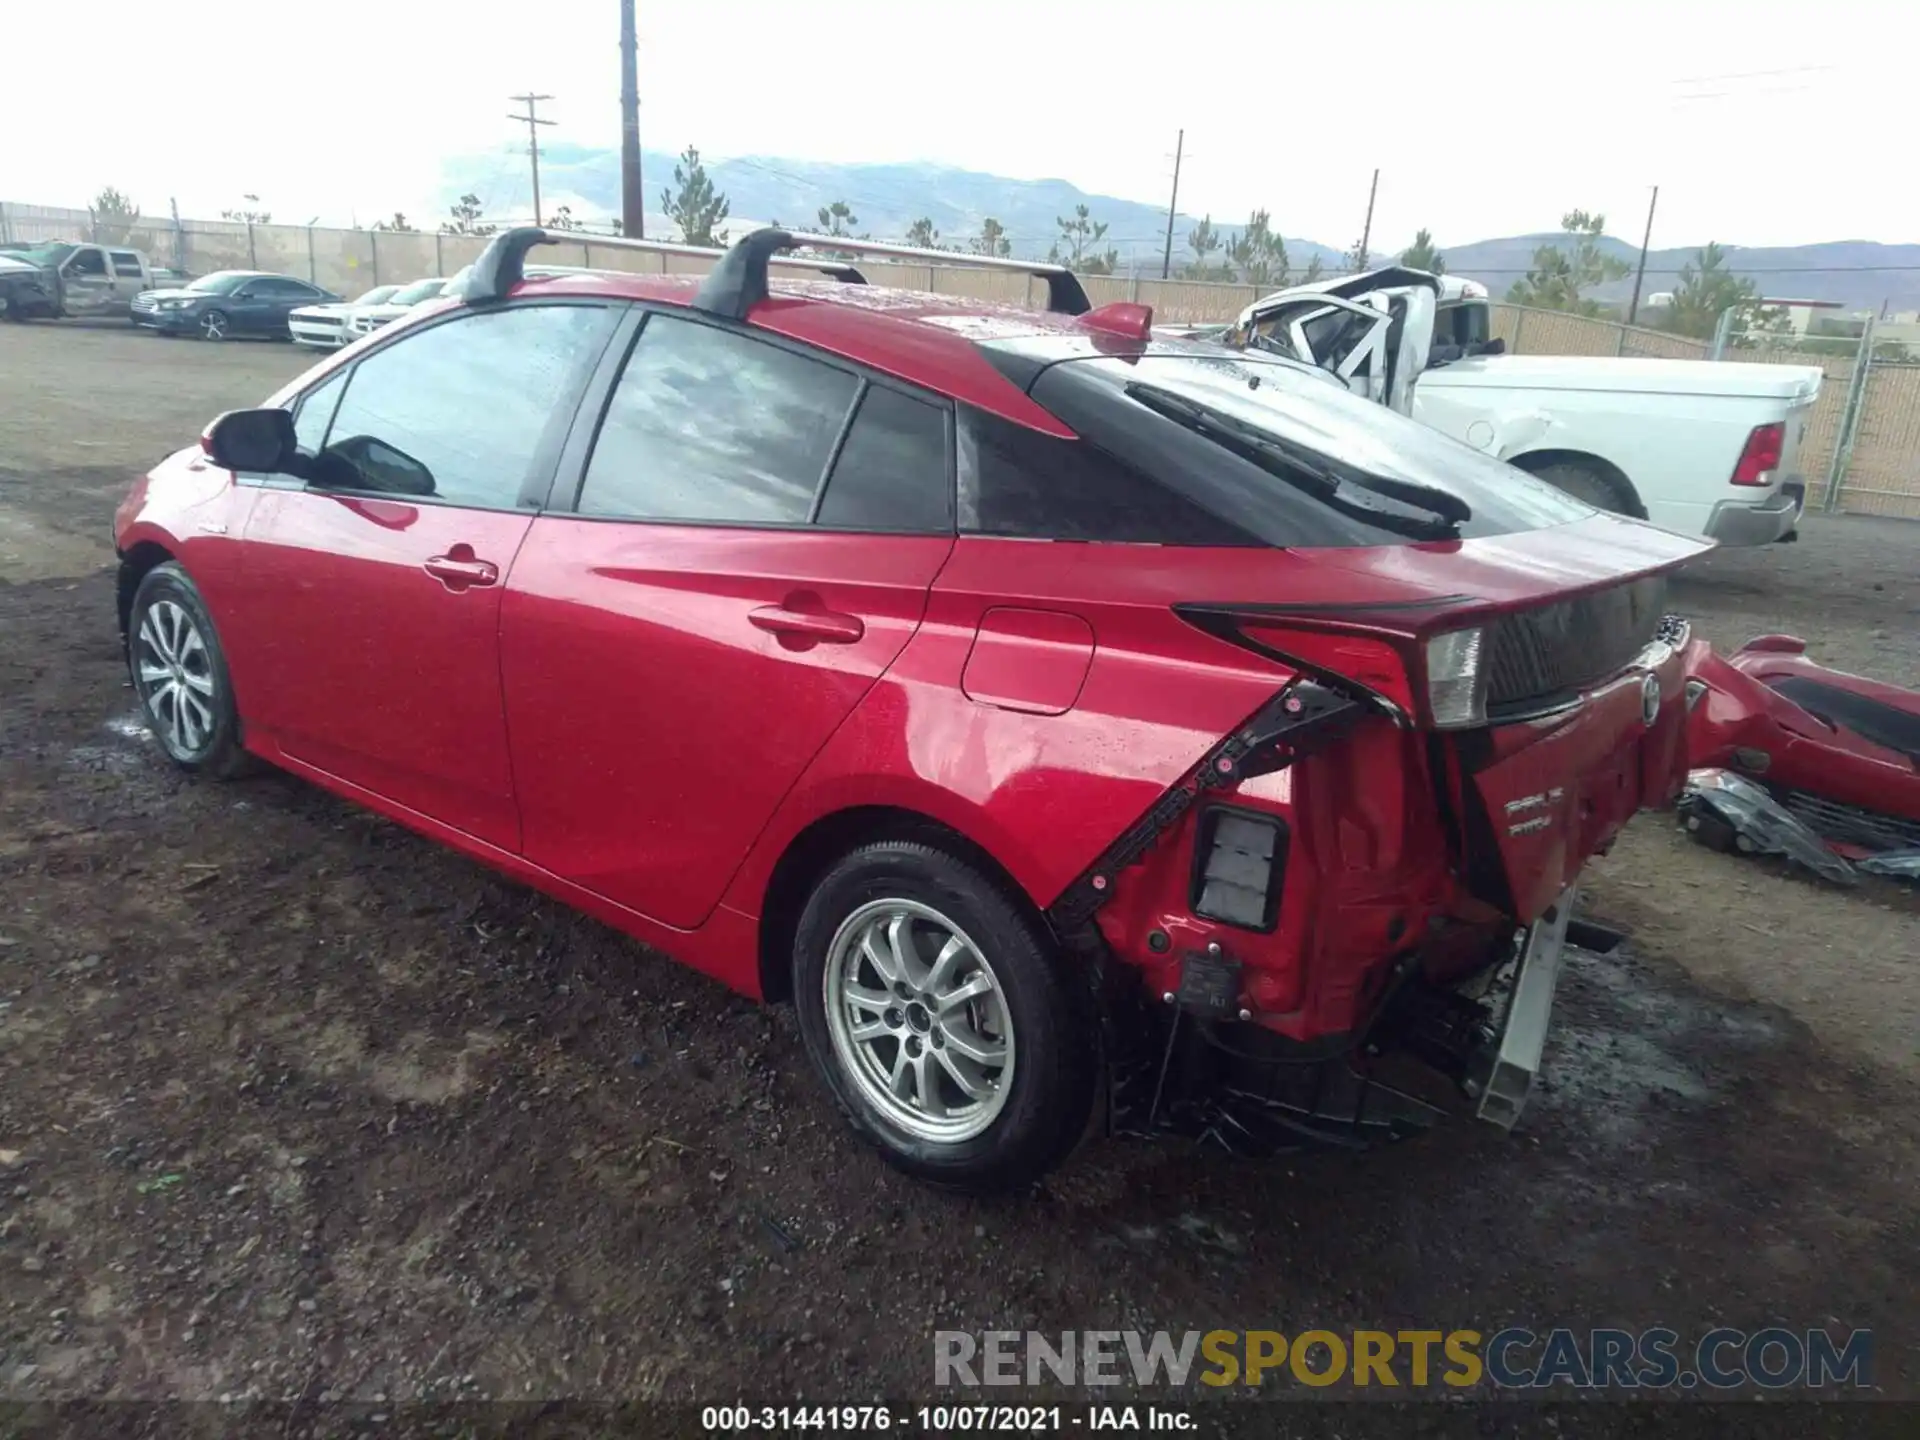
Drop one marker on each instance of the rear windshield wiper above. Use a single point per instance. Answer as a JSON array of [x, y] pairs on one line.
[[1319, 475]]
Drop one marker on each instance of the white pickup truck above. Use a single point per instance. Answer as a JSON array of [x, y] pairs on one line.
[[62, 278], [1702, 447]]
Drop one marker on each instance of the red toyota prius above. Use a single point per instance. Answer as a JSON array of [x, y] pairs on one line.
[[1065, 720]]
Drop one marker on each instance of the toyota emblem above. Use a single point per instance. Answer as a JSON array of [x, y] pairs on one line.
[[1650, 699]]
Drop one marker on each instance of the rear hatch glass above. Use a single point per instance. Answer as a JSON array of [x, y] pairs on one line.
[[1279, 453]]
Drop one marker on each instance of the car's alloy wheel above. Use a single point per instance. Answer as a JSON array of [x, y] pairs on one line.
[[174, 672], [919, 1020], [213, 325], [180, 674], [951, 1029]]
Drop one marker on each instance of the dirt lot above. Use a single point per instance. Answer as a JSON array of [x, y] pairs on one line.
[[292, 1103]]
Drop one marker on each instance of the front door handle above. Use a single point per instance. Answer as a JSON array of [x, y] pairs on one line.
[[804, 626], [458, 569]]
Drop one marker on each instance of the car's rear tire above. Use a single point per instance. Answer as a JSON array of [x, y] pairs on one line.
[[947, 1025], [214, 325], [1587, 483], [180, 674]]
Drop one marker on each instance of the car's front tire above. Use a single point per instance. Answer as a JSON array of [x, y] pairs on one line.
[[949, 1028], [180, 674], [214, 325]]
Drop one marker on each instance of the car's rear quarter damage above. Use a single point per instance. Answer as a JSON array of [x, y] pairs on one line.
[[1219, 772]]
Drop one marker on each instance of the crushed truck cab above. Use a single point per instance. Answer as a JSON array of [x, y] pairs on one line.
[[1704, 448]]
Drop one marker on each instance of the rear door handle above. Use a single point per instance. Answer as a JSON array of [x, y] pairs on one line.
[[826, 626], [459, 570]]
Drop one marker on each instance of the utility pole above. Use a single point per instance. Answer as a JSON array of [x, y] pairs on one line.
[[532, 121], [633, 194], [1173, 203], [1366, 230], [1633, 306]]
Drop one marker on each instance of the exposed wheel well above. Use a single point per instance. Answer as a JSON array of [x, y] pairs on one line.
[[1534, 461], [134, 565], [815, 849]]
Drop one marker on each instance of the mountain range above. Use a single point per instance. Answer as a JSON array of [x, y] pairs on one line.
[[887, 198]]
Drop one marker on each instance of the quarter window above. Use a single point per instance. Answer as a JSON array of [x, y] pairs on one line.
[[315, 412], [707, 425], [467, 411], [1016, 481]]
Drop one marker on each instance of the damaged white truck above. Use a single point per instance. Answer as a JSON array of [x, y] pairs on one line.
[[1700, 447]]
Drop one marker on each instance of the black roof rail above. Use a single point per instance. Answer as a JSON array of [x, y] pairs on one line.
[[738, 280], [503, 264]]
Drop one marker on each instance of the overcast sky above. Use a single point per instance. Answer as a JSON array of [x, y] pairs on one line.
[[1760, 125]]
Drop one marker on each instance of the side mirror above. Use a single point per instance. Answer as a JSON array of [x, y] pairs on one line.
[[260, 441]]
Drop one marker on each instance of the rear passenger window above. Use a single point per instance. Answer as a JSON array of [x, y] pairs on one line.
[[1016, 481], [706, 425], [892, 472], [126, 265]]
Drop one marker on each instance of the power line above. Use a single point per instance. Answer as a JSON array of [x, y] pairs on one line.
[[633, 192], [1640, 275], [532, 121], [1366, 231], [1751, 75], [1173, 204]]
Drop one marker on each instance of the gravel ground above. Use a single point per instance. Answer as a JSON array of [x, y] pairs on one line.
[[293, 1103]]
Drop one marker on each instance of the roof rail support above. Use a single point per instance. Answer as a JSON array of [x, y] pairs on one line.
[[738, 280], [502, 265]]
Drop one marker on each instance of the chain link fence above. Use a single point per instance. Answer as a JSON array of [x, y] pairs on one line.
[[1861, 452]]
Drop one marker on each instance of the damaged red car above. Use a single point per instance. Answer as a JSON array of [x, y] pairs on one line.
[[1070, 723]]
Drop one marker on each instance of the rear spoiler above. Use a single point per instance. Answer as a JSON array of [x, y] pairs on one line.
[[738, 280]]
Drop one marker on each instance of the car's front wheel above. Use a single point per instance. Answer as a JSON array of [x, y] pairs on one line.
[[214, 325], [180, 674], [946, 1023]]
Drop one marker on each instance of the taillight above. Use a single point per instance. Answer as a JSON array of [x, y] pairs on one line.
[[1456, 679], [1761, 457]]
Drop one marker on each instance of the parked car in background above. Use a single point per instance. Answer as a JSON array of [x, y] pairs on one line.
[[1021, 695], [324, 327], [27, 290], [1701, 447], [73, 280], [368, 318], [228, 303]]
